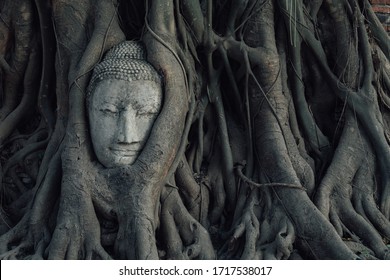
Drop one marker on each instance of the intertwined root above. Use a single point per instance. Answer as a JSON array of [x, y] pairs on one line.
[[346, 194], [261, 232], [11, 245], [77, 236], [241, 89], [183, 236]]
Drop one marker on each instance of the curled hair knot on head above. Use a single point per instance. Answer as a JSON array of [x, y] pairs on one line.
[[125, 61]]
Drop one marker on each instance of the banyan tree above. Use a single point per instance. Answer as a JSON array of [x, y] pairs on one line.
[[194, 129]]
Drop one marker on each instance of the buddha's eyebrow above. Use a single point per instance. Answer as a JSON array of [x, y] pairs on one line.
[[111, 100], [144, 107], [108, 104]]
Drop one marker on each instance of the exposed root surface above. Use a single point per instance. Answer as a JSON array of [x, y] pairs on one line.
[[185, 237], [272, 141]]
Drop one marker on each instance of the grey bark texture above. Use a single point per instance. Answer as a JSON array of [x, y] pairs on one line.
[[270, 141]]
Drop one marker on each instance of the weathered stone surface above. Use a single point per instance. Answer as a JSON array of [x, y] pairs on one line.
[[125, 99]]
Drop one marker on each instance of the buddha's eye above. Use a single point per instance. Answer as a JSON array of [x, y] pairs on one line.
[[145, 113], [109, 111]]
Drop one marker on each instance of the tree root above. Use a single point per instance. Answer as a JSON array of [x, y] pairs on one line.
[[353, 182], [136, 227], [242, 243], [360, 250], [189, 188], [17, 25], [363, 199], [281, 233], [229, 97], [262, 232], [8, 241], [75, 236], [183, 236], [217, 190]]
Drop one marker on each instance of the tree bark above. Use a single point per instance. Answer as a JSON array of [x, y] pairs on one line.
[[272, 141]]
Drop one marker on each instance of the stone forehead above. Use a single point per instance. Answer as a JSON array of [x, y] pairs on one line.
[[125, 61]]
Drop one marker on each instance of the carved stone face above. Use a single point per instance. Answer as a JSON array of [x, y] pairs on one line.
[[121, 115]]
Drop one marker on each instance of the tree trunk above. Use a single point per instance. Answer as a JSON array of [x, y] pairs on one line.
[[272, 141]]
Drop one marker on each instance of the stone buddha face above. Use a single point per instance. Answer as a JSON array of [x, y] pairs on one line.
[[122, 110], [121, 116]]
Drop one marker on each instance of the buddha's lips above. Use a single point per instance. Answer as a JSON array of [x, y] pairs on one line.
[[124, 151]]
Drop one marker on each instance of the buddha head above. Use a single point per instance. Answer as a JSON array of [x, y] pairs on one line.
[[124, 99]]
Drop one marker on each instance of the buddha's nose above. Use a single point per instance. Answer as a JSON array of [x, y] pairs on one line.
[[127, 128]]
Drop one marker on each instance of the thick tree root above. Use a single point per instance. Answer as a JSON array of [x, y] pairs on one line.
[[241, 244], [12, 245], [344, 184], [183, 236], [262, 232], [16, 29], [75, 236], [238, 86], [283, 237]]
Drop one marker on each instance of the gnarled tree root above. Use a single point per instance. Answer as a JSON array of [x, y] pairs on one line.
[[183, 236]]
